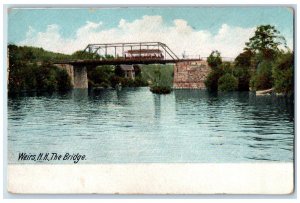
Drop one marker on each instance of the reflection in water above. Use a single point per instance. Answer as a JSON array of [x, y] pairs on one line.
[[241, 118], [157, 104], [134, 125], [80, 95]]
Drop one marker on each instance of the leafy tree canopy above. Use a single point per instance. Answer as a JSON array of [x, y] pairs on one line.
[[214, 59], [244, 59], [227, 83], [266, 40]]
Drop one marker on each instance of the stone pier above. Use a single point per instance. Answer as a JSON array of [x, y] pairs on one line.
[[190, 74], [78, 75]]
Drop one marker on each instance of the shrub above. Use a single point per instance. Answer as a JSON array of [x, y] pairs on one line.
[[45, 76], [211, 81], [63, 80], [224, 68], [126, 82], [214, 59], [115, 80], [161, 89], [100, 74], [243, 75], [262, 79], [244, 59], [140, 82], [283, 73], [104, 84], [227, 83]]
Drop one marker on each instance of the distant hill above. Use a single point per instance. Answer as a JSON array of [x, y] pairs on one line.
[[34, 54]]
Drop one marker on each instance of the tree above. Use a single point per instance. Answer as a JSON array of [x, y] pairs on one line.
[[266, 41], [100, 75], [283, 73], [211, 81], [244, 59], [242, 68], [26, 75], [215, 62], [265, 46], [227, 83], [214, 59], [63, 80], [263, 76]]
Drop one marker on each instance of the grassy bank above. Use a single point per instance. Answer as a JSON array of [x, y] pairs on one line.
[[159, 77], [160, 74]]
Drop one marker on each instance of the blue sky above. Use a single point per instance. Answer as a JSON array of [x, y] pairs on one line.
[[27, 26]]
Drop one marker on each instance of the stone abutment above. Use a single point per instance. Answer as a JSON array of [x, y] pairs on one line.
[[78, 75], [190, 74]]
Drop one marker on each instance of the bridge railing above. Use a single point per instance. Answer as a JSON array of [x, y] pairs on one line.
[[225, 59], [141, 50]]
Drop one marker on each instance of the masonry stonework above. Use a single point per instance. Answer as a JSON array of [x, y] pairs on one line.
[[190, 74], [78, 75]]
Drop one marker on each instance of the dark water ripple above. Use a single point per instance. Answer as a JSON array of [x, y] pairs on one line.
[[134, 125]]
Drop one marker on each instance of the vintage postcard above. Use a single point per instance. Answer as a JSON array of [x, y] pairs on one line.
[[150, 100]]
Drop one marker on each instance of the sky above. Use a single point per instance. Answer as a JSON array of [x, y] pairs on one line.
[[189, 30]]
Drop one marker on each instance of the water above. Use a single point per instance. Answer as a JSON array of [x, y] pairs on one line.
[[136, 126]]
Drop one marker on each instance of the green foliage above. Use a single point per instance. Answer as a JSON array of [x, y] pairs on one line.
[[140, 82], [33, 54], [244, 59], [109, 76], [218, 69], [100, 75], [161, 89], [84, 55], [226, 76], [242, 65], [242, 73], [266, 40], [32, 77], [227, 83], [161, 74], [137, 70], [63, 80], [224, 68], [262, 65], [258, 66], [262, 79], [214, 59], [26, 75], [119, 72], [126, 82], [45, 77], [211, 81], [283, 73], [107, 56]]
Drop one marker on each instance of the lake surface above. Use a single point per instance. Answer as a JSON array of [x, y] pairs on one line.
[[136, 126]]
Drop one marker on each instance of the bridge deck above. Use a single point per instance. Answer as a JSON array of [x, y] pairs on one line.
[[122, 61]]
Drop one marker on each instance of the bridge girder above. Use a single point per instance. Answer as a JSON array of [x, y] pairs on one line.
[[118, 49]]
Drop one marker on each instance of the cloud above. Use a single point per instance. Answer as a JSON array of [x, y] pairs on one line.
[[87, 28], [179, 36]]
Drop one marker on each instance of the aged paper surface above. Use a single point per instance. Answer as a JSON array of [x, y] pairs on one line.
[[152, 179], [151, 100]]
